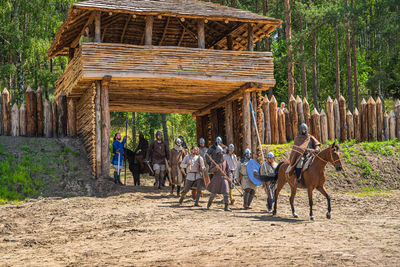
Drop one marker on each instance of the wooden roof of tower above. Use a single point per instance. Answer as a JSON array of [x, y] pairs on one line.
[[124, 20]]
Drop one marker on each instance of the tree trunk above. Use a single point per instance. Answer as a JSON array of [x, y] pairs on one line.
[[1, 113], [288, 28], [337, 60], [302, 62], [348, 63], [353, 43], [267, 45], [22, 120], [164, 126], [314, 69]]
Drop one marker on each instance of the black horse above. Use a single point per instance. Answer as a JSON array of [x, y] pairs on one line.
[[134, 160]]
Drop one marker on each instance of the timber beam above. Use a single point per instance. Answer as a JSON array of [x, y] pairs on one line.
[[247, 87]]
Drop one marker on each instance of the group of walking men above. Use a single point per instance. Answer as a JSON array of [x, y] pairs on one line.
[[215, 168]]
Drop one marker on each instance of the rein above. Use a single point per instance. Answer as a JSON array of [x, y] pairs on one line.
[[332, 161]]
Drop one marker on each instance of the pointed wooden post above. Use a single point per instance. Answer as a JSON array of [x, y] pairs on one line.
[[71, 117], [281, 127], [267, 123], [300, 111], [54, 114], [364, 120], [330, 118], [316, 124], [228, 123], [336, 113], [350, 125], [22, 120], [307, 115], [397, 113], [246, 121], [288, 126], [62, 115], [105, 127], [385, 127], [293, 115], [324, 126], [343, 124], [6, 112], [392, 125], [273, 113], [148, 31], [48, 124], [372, 131], [15, 120], [39, 107], [379, 119], [31, 112], [357, 125]]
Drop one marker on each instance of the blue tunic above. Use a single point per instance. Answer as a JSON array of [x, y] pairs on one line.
[[118, 147]]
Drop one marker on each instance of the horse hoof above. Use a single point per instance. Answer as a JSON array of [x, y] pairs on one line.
[[328, 215], [295, 215], [312, 218]]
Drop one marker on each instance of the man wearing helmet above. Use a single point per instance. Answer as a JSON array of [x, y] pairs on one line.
[[231, 159], [212, 150], [248, 187], [157, 153], [176, 156], [202, 147], [268, 169], [194, 165], [304, 145], [219, 184]]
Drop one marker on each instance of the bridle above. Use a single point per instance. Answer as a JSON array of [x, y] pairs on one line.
[[332, 161]]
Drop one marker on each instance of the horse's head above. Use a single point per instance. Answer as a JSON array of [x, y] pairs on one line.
[[335, 157]]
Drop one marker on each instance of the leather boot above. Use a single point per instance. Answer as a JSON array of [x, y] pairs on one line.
[[171, 192], [115, 177], [245, 200], [178, 190], [196, 203], [210, 201], [226, 202], [250, 199]]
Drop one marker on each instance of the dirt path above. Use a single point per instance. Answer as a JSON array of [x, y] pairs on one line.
[[148, 228]]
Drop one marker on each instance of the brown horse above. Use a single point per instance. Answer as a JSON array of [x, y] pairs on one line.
[[314, 178]]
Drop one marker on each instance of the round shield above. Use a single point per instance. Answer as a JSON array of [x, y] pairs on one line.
[[252, 166]]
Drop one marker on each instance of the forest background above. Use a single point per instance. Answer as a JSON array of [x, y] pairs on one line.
[[324, 48]]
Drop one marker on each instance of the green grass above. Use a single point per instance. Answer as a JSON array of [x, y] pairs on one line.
[[279, 150]]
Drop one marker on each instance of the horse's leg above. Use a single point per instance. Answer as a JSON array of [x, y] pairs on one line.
[[281, 183], [310, 190], [328, 198], [293, 190]]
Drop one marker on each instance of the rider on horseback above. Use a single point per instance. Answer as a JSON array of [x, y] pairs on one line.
[[304, 146]]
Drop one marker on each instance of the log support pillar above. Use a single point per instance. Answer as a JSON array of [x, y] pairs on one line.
[[229, 123], [148, 31], [71, 117], [246, 121], [200, 34], [97, 111], [105, 127], [97, 27]]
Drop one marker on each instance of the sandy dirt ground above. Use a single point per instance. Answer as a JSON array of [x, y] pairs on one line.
[[147, 227]]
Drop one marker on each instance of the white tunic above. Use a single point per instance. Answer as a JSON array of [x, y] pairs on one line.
[[232, 163], [193, 171]]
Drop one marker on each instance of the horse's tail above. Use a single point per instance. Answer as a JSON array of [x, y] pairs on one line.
[[271, 178]]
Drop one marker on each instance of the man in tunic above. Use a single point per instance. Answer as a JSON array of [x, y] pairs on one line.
[[202, 147], [248, 187], [195, 166], [141, 150], [268, 169], [118, 159], [304, 145], [158, 153], [231, 159], [212, 150], [86, 38], [176, 156], [220, 182]]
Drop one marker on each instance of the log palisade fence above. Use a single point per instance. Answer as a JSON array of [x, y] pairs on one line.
[[368, 124], [63, 116]]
